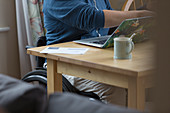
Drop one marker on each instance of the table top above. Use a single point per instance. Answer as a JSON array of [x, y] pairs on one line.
[[141, 64]]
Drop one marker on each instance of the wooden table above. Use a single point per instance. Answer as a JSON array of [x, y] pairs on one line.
[[98, 65]]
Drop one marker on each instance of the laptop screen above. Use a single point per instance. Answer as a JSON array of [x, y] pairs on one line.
[[140, 26]]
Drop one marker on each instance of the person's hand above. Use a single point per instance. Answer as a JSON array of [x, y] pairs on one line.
[[144, 13]]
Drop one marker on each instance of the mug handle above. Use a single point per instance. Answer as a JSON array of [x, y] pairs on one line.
[[132, 47]]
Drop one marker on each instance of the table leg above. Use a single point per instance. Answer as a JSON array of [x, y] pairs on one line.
[[136, 94], [54, 79]]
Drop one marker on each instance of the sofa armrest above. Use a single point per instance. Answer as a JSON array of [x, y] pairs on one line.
[[72, 103], [20, 97]]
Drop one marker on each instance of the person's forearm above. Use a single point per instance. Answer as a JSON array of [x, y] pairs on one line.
[[114, 18]]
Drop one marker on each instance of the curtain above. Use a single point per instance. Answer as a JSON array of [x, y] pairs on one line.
[[29, 26]]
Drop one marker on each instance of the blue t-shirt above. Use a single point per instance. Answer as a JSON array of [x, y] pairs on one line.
[[68, 20]]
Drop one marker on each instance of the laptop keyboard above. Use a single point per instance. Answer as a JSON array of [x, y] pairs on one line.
[[99, 42]]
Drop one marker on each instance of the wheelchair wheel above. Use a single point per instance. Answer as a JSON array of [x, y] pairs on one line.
[[37, 77], [36, 72]]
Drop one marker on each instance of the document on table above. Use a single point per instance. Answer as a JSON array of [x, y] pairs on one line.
[[65, 50]]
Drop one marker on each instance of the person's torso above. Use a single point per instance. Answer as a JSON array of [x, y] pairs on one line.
[[58, 32]]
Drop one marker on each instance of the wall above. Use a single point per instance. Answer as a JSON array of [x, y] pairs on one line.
[[118, 4], [9, 61], [163, 58]]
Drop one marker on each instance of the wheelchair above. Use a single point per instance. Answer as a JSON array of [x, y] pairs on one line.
[[39, 76]]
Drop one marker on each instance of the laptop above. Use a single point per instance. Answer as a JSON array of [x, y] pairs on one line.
[[139, 26]]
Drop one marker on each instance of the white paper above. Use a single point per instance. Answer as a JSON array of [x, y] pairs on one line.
[[65, 50]]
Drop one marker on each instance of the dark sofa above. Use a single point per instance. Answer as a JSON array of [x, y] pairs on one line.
[[20, 97]]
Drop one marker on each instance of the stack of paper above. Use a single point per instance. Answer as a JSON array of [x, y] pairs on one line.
[[65, 50]]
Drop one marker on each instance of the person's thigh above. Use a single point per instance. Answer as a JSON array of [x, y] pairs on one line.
[[107, 93]]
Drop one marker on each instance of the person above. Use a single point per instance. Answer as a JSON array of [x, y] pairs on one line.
[[68, 20]]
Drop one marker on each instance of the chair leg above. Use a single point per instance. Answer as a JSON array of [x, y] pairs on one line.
[[134, 4], [141, 1]]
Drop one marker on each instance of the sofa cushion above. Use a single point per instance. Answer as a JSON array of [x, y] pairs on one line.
[[72, 103], [20, 97]]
